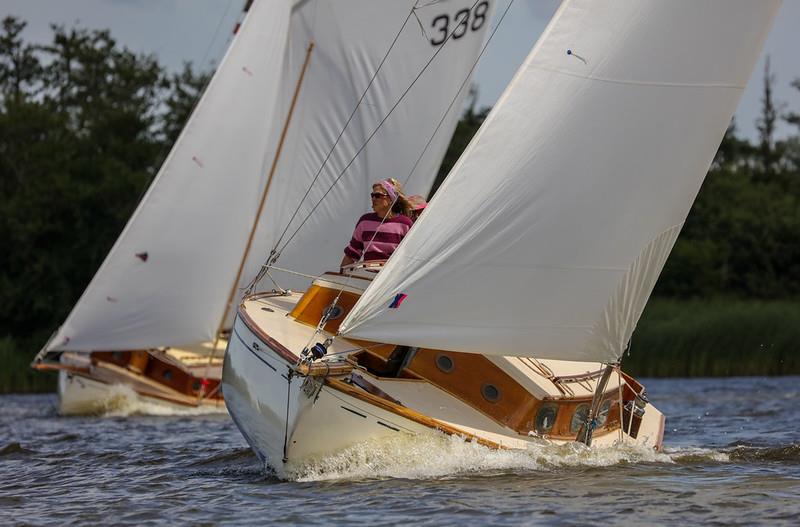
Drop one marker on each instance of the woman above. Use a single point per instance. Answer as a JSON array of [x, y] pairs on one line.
[[377, 234]]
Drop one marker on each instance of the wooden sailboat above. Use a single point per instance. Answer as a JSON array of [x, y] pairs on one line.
[[154, 317], [504, 314]]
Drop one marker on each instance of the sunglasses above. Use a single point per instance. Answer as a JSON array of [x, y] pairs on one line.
[[378, 195]]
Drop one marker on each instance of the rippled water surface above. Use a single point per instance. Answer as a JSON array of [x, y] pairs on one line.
[[732, 457]]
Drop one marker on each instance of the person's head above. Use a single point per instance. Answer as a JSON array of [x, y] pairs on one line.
[[387, 196], [417, 204]]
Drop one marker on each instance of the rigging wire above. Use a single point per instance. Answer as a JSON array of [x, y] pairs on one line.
[[341, 133], [276, 254], [329, 311]]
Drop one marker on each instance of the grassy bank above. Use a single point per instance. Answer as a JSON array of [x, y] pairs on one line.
[[16, 376], [712, 338]]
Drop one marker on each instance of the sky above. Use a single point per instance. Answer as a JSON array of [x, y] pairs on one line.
[[200, 30]]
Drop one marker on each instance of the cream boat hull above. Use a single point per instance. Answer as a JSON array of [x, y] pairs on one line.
[[289, 418], [93, 389]]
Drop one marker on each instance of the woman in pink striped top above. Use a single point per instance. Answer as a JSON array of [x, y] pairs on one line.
[[378, 233]]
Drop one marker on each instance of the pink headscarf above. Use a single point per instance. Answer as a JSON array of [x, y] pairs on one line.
[[389, 188]]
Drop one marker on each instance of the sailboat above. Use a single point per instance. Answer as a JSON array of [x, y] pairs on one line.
[[504, 314], [156, 316]]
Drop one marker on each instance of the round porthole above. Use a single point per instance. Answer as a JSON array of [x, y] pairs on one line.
[[546, 418], [602, 414], [167, 375], [490, 392], [196, 385], [118, 355], [444, 363], [578, 418], [333, 312]]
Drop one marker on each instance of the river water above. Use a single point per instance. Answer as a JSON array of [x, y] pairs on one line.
[[731, 457]]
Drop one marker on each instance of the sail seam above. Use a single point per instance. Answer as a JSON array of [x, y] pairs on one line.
[[640, 83]]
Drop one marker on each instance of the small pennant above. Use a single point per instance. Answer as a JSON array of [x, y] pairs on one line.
[[111, 299], [197, 161], [142, 256], [244, 69], [398, 299]]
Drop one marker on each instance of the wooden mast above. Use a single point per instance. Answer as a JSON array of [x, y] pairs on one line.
[[264, 194]]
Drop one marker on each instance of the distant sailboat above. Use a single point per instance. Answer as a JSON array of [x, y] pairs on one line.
[[506, 310], [154, 316]]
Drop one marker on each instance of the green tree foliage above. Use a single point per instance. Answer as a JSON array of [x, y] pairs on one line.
[[469, 123], [84, 125], [742, 237]]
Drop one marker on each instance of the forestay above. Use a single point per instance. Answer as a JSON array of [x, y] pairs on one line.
[[548, 236], [167, 279]]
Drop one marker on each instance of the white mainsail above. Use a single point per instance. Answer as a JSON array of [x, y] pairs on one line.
[[167, 278], [351, 38], [168, 274], [548, 236]]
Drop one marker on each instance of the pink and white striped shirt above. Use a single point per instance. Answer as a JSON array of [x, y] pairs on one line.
[[387, 236]]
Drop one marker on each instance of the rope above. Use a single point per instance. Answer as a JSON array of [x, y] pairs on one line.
[[369, 138], [326, 315], [619, 391], [275, 254]]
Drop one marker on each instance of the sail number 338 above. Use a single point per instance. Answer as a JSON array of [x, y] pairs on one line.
[[464, 20]]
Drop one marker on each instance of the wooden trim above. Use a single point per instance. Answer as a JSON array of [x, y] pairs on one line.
[[408, 413], [60, 367]]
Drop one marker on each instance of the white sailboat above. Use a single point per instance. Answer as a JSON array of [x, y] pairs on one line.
[[154, 316], [504, 314]]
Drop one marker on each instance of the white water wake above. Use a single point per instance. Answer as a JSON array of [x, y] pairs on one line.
[[438, 455]]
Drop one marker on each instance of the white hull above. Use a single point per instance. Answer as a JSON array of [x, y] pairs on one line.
[[290, 419], [85, 389]]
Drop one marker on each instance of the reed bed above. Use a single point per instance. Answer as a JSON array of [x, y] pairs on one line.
[[716, 338], [16, 375]]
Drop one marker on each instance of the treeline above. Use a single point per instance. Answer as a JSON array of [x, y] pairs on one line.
[[85, 124]]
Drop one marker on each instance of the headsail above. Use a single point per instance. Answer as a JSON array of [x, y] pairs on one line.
[[548, 236], [167, 278]]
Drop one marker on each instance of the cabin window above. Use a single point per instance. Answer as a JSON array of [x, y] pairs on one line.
[[333, 312], [118, 355], [444, 363], [546, 418], [490, 392], [602, 414], [167, 375], [578, 418], [196, 385]]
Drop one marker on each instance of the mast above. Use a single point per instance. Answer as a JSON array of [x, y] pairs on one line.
[[264, 194]]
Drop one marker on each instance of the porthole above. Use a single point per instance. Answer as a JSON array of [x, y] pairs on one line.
[[333, 312], [602, 414], [196, 385], [578, 418], [167, 375], [118, 355], [546, 418], [444, 363], [490, 392]]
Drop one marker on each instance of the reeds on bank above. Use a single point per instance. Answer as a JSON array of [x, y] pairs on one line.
[[713, 338]]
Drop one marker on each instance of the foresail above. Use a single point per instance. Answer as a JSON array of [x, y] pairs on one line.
[[351, 39], [167, 277], [548, 236]]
